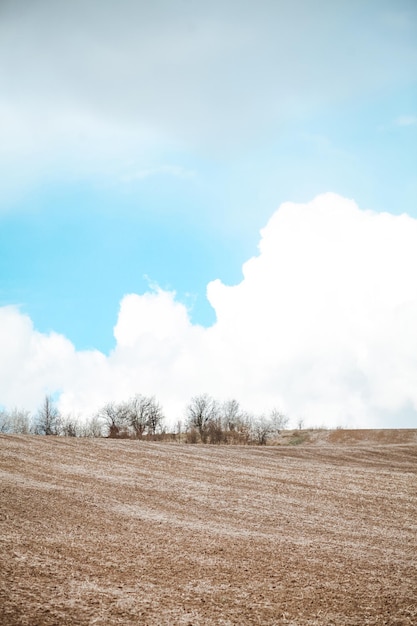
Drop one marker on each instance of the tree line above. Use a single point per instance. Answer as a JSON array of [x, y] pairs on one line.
[[205, 420]]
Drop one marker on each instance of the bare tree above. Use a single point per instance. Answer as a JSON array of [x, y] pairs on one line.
[[155, 416], [215, 431], [21, 421], [231, 414], [116, 418], [5, 423], [48, 418], [133, 418], [279, 421], [138, 412], [262, 429], [200, 412], [179, 430], [242, 431], [70, 427], [16, 421], [237, 423], [92, 428]]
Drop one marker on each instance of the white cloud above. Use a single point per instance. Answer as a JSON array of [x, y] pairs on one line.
[[104, 78], [322, 325], [406, 120]]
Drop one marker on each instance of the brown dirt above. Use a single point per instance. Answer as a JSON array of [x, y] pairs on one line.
[[106, 532], [344, 436]]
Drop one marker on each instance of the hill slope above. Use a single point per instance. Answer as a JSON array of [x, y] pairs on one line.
[[123, 532], [343, 436]]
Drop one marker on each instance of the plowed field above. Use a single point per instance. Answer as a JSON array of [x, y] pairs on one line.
[[124, 532]]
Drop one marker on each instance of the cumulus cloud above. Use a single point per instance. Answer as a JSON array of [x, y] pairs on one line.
[[322, 325], [33, 364]]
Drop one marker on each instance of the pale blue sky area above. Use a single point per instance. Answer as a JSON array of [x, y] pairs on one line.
[[149, 142]]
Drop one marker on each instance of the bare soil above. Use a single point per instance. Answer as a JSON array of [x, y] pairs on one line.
[[124, 532]]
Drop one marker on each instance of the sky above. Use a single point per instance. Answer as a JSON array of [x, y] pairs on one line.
[[210, 197]]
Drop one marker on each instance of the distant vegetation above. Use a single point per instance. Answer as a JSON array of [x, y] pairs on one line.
[[205, 420]]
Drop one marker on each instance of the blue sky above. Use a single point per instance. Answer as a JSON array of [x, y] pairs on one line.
[[144, 145]]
